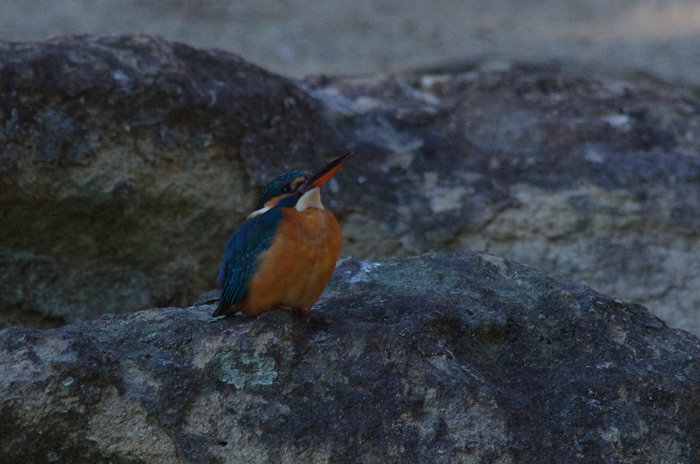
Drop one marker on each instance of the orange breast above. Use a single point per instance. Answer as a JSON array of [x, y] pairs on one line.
[[296, 268]]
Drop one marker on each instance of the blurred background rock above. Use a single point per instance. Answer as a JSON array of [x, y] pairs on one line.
[[648, 39], [639, 41]]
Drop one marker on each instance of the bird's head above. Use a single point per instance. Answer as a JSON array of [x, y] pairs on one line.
[[297, 189]]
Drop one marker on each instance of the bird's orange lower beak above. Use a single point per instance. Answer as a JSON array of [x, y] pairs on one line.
[[322, 176]]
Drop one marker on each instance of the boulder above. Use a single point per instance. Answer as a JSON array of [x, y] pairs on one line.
[[596, 181], [126, 162], [463, 357]]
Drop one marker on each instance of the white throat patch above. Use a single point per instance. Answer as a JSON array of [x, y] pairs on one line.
[[311, 199], [258, 212]]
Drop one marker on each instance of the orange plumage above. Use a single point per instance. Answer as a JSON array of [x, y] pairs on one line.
[[297, 267], [284, 255]]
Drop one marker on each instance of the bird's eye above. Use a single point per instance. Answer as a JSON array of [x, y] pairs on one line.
[[286, 189]]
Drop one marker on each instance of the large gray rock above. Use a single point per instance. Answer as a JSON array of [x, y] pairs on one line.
[[595, 181], [126, 162], [438, 358]]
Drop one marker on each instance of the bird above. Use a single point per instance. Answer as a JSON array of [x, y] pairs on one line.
[[284, 254]]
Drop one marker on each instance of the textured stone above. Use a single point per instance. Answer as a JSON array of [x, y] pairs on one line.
[[438, 358], [127, 162], [592, 180]]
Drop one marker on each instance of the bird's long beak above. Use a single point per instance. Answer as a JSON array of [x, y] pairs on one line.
[[323, 175]]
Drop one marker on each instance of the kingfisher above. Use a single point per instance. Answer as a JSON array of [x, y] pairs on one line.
[[284, 254]]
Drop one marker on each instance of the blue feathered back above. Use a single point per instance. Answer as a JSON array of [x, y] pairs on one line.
[[242, 249]]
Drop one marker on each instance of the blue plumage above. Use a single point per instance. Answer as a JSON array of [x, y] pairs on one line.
[[241, 289], [282, 184], [242, 249], [252, 238]]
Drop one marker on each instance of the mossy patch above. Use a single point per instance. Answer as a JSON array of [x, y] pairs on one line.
[[240, 369]]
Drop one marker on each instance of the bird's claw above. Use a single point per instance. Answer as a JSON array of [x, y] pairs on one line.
[[298, 312]]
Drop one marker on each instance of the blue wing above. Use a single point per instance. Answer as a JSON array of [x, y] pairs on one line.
[[252, 238]]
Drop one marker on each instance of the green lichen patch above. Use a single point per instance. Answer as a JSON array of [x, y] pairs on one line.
[[240, 369]]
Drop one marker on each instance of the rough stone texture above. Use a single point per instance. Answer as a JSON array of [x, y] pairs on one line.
[[595, 181], [126, 162], [439, 358]]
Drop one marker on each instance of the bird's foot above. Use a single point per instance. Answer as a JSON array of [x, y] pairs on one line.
[[299, 312]]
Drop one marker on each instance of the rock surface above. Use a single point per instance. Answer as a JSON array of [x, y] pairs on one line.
[[595, 181], [439, 358], [124, 166], [127, 162]]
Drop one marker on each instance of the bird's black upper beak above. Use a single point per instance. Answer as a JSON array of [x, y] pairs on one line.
[[322, 176]]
